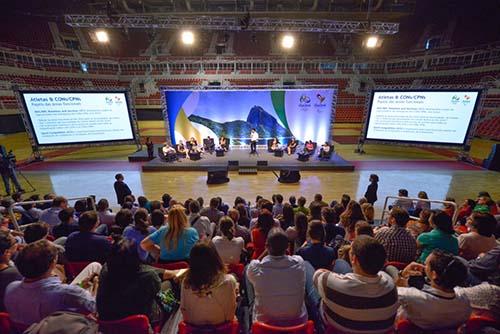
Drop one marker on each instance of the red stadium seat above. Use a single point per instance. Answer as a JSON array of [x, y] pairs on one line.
[[399, 265], [261, 328], [476, 323], [172, 265], [5, 326], [237, 269], [134, 324], [226, 328], [74, 268], [404, 326]]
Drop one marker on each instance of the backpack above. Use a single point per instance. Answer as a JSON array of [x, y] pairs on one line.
[[64, 323]]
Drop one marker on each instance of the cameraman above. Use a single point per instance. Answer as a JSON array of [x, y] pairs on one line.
[[8, 170]]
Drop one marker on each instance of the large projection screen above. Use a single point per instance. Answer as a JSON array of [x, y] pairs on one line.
[[301, 113], [441, 117], [78, 117]]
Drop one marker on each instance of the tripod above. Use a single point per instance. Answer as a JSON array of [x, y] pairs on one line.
[[27, 181]]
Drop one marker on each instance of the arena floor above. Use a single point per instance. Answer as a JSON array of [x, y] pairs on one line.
[[90, 171]]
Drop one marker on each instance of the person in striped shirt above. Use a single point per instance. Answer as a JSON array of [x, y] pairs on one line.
[[364, 301]]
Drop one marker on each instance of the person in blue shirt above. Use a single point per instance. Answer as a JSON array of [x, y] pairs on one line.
[[174, 241], [140, 230], [315, 252]]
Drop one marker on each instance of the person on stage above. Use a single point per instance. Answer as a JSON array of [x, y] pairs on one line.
[[193, 145], [180, 148], [209, 144], [167, 149], [150, 147], [309, 147], [254, 137], [275, 145], [324, 153], [223, 143], [292, 145]]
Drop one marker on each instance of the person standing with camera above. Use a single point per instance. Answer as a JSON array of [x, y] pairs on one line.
[[8, 170]]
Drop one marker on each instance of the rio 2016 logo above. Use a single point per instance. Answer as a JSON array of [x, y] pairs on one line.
[[108, 100], [320, 98], [455, 99], [305, 99]]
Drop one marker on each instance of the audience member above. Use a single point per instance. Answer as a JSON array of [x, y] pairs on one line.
[[50, 215], [264, 224], [212, 211], [345, 200], [368, 212], [404, 203], [40, 294], [399, 244], [293, 201], [105, 215], [278, 205], [315, 212], [8, 272], [239, 230], [286, 219], [371, 190], [270, 278], [350, 217], [465, 210], [86, 245], [243, 211], [137, 232], [174, 241], [124, 218], [485, 267], [422, 225], [121, 188], [200, 223], [449, 208], [35, 232], [441, 237], [67, 226], [157, 218], [318, 199], [331, 220], [444, 308], [265, 206], [363, 228], [228, 246], [165, 201], [301, 206], [364, 301], [315, 252], [208, 294], [297, 234], [480, 239]]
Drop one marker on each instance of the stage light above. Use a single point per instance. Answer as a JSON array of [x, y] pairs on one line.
[[102, 36], [371, 42], [287, 41], [187, 37]]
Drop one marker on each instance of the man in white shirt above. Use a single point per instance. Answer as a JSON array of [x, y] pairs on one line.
[[436, 306], [254, 137], [276, 285], [200, 223]]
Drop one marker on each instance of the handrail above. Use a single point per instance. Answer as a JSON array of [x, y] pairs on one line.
[[13, 216], [455, 213]]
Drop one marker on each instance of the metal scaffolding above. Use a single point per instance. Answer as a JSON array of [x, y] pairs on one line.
[[230, 23]]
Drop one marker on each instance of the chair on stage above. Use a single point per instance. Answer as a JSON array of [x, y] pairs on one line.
[[209, 145], [278, 153], [169, 157], [219, 152], [194, 156], [327, 155]]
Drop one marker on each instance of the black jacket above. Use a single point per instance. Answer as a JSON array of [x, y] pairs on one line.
[[371, 193], [121, 190]]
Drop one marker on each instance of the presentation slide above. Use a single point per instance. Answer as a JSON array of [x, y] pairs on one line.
[[301, 113], [441, 117], [59, 118]]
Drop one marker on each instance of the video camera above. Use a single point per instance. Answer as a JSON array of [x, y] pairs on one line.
[[8, 159]]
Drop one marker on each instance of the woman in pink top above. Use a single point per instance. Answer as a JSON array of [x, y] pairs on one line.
[[480, 239]]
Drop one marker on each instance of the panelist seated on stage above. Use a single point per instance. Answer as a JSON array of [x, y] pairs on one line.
[[192, 145], [326, 151], [209, 144], [181, 149], [292, 146], [275, 145], [224, 143], [309, 147], [167, 149]]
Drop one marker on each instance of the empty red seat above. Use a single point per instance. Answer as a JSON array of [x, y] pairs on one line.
[[134, 324], [226, 328], [262, 328]]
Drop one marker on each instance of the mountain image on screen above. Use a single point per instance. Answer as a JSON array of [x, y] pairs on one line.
[[266, 125]]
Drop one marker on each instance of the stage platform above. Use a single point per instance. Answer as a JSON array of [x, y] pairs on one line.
[[237, 159]]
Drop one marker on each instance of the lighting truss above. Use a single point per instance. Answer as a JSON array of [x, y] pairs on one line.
[[230, 23]]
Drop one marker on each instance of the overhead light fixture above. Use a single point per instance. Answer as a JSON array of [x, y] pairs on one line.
[[372, 42], [288, 41], [187, 37], [102, 36]]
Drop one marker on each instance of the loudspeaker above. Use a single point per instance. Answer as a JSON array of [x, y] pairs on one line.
[[493, 160], [261, 162], [217, 175], [289, 176], [233, 163]]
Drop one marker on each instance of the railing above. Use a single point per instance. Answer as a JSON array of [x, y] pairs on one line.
[[413, 199], [13, 216]]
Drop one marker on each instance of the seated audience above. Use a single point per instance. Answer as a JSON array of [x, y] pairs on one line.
[[350, 217], [243, 211], [174, 241], [422, 205], [265, 206], [291, 146], [278, 205], [50, 215], [157, 218], [40, 294], [126, 286], [212, 212], [480, 239], [228, 246], [301, 201], [448, 208], [86, 245], [270, 278], [368, 212], [485, 267], [208, 294], [287, 217], [364, 301], [239, 230], [67, 225], [315, 212], [345, 200], [315, 252], [441, 237], [106, 217], [444, 308], [484, 299], [331, 220], [399, 244], [297, 234], [137, 232], [201, 224], [264, 224], [35, 232], [363, 228], [318, 200], [465, 210], [8, 272], [422, 225], [403, 203]]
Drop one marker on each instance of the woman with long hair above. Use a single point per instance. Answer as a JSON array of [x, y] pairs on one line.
[[297, 234], [287, 217], [174, 241], [350, 217], [208, 294], [228, 245], [368, 212], [105, 216], [265, 223], [140, 230], [441, 237]]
